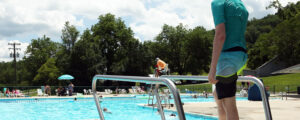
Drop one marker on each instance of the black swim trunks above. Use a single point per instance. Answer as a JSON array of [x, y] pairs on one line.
[[226, 87]]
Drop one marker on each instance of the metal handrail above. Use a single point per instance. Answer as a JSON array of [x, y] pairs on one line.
[[240, 78], [161, 111], [164, 81]]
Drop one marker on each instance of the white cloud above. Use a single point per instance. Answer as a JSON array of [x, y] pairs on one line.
[[33, 17], [172, 12], [189, 12], [48, 16], [5, 52], [257, 8], [146, 17], [285, 2]]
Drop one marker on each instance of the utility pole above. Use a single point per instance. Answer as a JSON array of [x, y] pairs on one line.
[[15, 54]]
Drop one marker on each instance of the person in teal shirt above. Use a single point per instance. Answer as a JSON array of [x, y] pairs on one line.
[[229, 53]]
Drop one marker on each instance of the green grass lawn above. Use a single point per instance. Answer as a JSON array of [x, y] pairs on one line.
[[279, 83], [195, 88]]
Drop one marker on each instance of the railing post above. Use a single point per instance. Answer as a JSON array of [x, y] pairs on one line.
[[264, 98], [159, 107], [274, 89], [96, 99], [288, 89]]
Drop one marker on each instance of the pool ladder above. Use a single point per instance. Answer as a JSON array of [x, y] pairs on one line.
[[167, 80], [165, 97], [151, 96]]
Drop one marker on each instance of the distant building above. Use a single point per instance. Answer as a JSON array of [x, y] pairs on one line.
[[273, 66], [292, 69]]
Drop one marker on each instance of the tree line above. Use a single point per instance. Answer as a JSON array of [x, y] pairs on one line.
[[109, 47]]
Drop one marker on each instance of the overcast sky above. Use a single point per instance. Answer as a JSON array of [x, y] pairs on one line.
[[23, 20]]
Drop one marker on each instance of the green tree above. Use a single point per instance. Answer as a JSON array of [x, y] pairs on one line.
[[289, 11], [286, 12], [274, 4], [6, 73], [139, 59], [37, 53], [23, 74], [87, 59], [114, 40], [284, 40], [259, 54], [69, 36], [255, 29], [108, 48], [170, 47], [264, 41], [185, 50], [198, 48], [47, 73]]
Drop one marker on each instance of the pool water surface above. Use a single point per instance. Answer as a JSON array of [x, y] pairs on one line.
[[85, 109]]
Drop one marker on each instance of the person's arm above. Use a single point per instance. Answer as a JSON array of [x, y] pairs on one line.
[[220, 36]]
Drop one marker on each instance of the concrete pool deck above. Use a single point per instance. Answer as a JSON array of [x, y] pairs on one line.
[[251, 110]]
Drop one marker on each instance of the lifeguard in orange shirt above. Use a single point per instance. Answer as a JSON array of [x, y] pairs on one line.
[[160, 66]]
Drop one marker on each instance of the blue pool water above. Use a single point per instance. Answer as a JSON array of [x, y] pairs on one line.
[[189, 99], [85, 109]]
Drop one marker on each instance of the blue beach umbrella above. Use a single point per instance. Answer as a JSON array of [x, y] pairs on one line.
[[65, 77]]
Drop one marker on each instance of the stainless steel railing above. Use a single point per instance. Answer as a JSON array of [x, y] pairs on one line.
[[241, 78], [164, 81]]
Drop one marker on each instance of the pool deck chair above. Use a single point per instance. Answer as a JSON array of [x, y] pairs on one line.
[[108, 91], [85, 92], [40, 93], [122, 91], [19, 93], [132, 91], [90, 91]]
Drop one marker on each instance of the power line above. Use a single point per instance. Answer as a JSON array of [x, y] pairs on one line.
[[15, 54]]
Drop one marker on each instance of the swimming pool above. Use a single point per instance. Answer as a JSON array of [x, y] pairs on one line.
[[190, 99], [82, 109]]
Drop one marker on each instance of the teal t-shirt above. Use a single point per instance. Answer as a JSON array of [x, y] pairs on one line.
[[234, 15]]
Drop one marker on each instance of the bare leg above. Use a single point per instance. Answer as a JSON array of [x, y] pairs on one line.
[[221, 110], [230, 108]]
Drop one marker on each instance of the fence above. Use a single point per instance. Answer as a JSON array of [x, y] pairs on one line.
[[273, 89], [29, 91]]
